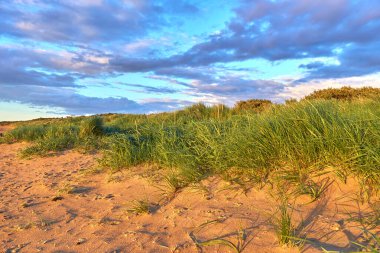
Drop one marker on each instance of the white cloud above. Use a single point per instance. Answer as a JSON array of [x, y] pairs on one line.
[[300, 90]]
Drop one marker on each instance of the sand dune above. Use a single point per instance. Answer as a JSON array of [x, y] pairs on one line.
[[49, 205]]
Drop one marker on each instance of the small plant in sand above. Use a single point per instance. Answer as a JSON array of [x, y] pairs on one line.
[[92, 170], [281, 218], [24, 226], [139, 207], [372, 244], [202, 189], [66, 188], [315, 190], [372, 219], [369, 223], [369, 187], [236, 246], [44, 223], [302, 183], [172, 184], [108, 221], [41, 223], [283, 224], [342, 174]]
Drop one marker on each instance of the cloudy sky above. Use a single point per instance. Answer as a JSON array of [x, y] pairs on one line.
[[70, 57]]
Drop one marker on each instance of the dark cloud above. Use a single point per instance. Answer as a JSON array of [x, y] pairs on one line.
[[85, 63], [22, 77], [21, 68], [285, 29], [281, 30], [230, 89], [312, 65], [273, 30], [149, 89], [70, 102], [40, 78], [90, 20], [220, 83], [355, 60]]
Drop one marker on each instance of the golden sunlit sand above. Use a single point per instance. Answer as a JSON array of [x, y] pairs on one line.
[[53, 204]]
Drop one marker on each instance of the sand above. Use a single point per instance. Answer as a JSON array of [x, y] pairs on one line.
[[49, 204]]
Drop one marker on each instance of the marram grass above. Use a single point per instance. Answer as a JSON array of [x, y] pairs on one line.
[[301, 136], [200, 140]]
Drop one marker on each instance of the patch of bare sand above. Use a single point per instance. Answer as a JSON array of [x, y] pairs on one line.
[[92, 215]]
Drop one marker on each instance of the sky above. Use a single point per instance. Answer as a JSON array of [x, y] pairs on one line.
[[81, 57]]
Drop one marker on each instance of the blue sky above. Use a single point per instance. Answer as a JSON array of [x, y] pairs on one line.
[[75, 57]]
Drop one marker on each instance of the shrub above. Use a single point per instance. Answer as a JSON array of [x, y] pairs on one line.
[[256, 105], [345, 93]]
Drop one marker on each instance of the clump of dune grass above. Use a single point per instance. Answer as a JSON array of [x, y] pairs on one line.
[[139, 207], [91, 126], [51, 138], [124, 151], [26, 133], [55, 139]]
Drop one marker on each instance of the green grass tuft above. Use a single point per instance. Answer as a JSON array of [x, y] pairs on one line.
[[91, 126]]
